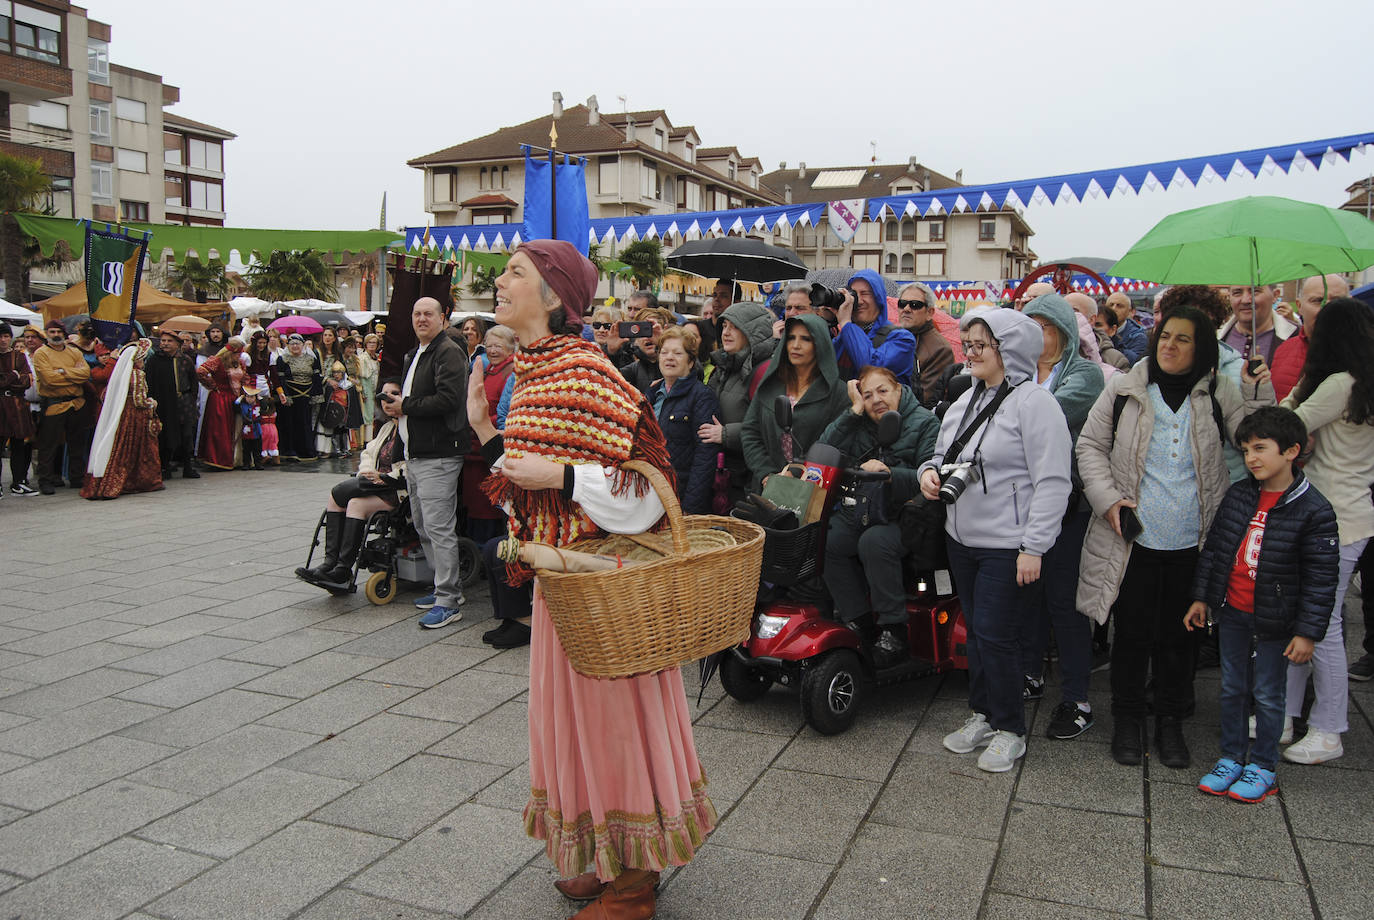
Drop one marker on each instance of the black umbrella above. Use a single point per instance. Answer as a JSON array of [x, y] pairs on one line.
[[331, 318], [735, 258]]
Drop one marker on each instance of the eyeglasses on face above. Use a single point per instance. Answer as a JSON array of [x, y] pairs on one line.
[[911, 305], [976, 348], [602, 326]]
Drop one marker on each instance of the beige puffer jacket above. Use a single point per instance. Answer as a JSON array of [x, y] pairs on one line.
[[1111, 469]]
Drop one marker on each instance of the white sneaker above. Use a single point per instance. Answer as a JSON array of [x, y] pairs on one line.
[[1003, 751], [1315, 747], [975, 733], [1286, 737]]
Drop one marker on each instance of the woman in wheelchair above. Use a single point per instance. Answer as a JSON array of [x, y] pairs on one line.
[[379, 486], [863, 558]]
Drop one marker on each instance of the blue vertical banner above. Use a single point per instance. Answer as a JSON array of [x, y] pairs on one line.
[[574, 224], [114, 268]]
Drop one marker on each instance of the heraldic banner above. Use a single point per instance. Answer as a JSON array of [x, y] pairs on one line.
[[114, 266]]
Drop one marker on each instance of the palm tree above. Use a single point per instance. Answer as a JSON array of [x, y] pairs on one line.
[[202, 279], [484, 281], [645, 258], [294, 275], [22, 185]]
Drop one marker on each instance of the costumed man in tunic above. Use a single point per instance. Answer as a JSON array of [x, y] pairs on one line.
[[298, 383], [62, 374], [172, 384], [617, 791], [124, 452]]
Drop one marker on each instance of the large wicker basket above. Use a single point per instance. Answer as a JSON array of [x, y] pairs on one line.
[[658, 614]]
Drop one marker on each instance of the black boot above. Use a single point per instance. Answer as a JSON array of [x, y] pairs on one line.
[[1170, 744], [889, 649], [333, 530], [188, 471], [1128, 745], [352, 541]]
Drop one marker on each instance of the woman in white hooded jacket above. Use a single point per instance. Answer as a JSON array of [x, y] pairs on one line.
[[1004, 521]]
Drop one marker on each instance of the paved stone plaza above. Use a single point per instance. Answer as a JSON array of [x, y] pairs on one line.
[[188, 732]]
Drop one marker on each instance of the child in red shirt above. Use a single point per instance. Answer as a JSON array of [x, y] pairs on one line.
[[1269, 570]]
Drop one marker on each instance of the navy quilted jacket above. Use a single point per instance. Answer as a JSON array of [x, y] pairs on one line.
[[1299, 563], [685, 408]]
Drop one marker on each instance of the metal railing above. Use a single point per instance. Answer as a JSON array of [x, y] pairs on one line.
[[47, 138]]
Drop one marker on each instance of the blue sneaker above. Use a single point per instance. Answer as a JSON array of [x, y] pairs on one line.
[[1255, 785], [426, 602], [1226, 772], [440, 616]]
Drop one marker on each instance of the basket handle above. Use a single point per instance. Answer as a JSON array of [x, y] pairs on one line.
[[668, 497]]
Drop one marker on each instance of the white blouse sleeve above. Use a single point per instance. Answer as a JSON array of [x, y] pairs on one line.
[[626, 513]]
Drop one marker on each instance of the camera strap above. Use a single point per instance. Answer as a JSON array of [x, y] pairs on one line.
[[960, 442]]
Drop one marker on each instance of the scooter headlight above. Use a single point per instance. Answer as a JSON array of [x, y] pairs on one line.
[[770, 626]]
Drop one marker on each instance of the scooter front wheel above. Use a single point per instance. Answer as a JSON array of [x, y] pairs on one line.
[[831, 691], [741, 681]]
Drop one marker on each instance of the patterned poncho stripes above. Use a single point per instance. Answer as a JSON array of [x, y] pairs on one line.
[[570, 405]]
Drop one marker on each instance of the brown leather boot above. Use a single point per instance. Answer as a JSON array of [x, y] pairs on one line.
[[630, 896], [584, 887]]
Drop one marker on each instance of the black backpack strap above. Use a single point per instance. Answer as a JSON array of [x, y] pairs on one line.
[[1217, 415], [1118, 406]]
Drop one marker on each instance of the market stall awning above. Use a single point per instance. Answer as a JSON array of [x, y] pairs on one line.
[[205, 241], [153, 305]]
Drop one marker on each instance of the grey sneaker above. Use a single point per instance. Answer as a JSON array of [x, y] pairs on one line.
[[1003, 751], [973, 734], [1363, 669]]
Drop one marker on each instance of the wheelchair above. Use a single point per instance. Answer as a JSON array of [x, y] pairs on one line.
[[391, 553]]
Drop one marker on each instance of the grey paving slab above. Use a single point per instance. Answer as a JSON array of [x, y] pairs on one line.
[[409, 796], [1332, 868], [48, 781], [1185, 892], [501, 737], [224, 759], [395, 640], [1079, 776], [945, 794], [14, 634], [60, 640], [870, 747], [291, 647], [104, 884], [73, 614], [10, 659], [313, 675], [49, 838], [820, 813], [1010, 907], [897, 872], [511, 792], [11, 762], [72, 692], [724, 882], [51, 734], [339, 707], [275, 878], [369, 748], [464, 697], [66, 664], [240, 815], [207, 718], [1109, 871], [1192, 830], [194, 683], [244, 608], [777, 713], [453, 864], [1327, 803], [174, 630], [430, 665], [277, 622], [530, 893], [172, 658], [343, 904]]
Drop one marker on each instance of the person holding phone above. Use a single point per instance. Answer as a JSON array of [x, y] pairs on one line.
[[1151, 460]]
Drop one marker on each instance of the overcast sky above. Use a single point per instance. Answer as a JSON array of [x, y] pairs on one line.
[[330, 100]]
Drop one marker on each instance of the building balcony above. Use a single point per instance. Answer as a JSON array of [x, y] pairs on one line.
[[30, 80], [52, 148]]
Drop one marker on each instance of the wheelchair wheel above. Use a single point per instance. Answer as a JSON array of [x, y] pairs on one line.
[[469, 562], [380, 588]]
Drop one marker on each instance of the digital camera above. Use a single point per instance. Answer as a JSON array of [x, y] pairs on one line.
[[822, 296], [955, 478]]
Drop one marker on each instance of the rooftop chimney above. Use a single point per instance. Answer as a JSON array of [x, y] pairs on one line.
[[959, 177], [557, 105], [801, 170], [630, 129], [787, 192], [593, 111], [782, 165], [925, 180], [911, 165]]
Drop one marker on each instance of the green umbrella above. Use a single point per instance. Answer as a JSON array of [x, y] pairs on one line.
[[1257, 240]]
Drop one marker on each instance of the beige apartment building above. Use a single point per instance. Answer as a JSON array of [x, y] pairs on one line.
[[99, 128]]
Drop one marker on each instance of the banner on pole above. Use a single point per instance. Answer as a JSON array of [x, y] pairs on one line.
[[844, 217], [573, 220], [114, 268]]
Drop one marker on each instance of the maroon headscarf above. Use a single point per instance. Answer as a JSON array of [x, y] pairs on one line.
[[569, 273]]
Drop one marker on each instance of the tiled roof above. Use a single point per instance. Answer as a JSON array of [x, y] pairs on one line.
[[177, 121], [489, 200], [876, 182]]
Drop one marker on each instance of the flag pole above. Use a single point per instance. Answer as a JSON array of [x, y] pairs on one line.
[[553, 180]]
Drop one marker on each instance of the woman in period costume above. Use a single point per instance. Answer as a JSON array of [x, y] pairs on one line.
[[16, 422], [223, 377], [259, 363], [299, 382], [124, 455], [354, 370], [617, 792], [368, 370]]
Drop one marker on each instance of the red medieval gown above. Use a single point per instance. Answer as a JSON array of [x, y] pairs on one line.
[[134, 464], [218, 428]]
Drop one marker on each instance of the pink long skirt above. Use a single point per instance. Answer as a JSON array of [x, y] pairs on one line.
[[614, 777]]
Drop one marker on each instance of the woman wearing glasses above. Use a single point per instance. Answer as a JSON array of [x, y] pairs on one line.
[[1009, 444], [604, 320]]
